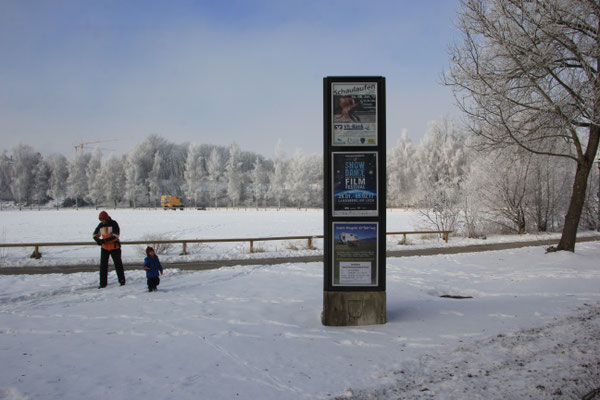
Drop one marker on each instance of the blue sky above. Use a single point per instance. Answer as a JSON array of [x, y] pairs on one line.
[[212, 71]]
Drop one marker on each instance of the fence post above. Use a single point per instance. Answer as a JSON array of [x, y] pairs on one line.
[[252, 246], [184, 252], [36, 253], [309, 243]]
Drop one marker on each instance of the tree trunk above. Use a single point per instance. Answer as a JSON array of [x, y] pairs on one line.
[[569, 233], [598, 195]]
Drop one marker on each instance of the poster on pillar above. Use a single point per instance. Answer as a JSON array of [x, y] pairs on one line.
[[354, 185], [355, 254], [354, 113]]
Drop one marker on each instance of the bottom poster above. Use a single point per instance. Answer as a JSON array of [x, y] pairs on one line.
[[355, 253]]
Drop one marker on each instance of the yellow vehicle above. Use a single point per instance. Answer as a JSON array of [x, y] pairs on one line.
[[171, 202]]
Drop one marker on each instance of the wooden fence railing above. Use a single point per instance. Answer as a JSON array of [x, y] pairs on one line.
[[184, 242]]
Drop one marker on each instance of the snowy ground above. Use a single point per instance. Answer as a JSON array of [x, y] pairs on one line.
[[530, 329]]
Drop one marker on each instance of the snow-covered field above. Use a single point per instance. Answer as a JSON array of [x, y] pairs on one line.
[[32, 226], [530, 329]]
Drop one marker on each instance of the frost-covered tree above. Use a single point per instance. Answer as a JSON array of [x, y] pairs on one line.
[[234, 175], [314, 184], [136, 190], [172, 179], [113, 175], [305, 180], [136, 175], [401, 173], [154, 186], [260, 181], [41, 186], [142, 159], [194, 174], [440, 162], [440, 159], [59, 172], [96, 185], [5, 178], [298, 174], [23, 168], [278, 177], [214, 167], [77, 186], [526, 73]]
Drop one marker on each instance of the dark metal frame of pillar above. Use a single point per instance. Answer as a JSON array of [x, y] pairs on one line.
[[353, 305]]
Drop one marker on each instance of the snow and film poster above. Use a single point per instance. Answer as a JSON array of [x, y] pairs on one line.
[[355, 254], [354, 114], [354, 184]]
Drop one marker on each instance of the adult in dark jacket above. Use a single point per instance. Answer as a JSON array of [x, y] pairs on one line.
[[106, 235], [153, 268]]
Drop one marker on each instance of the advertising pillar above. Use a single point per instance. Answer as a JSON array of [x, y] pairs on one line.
[[354, 151]]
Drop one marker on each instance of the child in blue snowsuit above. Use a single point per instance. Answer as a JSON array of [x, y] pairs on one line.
[[153, 268]]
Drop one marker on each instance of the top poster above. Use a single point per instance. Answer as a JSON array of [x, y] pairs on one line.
[[354, 114]]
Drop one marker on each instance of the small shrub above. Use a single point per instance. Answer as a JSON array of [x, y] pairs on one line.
[[194, 248], [291, 246], [159, 248], [258, 249], [405, 242]]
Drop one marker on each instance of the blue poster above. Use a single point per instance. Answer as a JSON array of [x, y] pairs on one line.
[[355, 184]]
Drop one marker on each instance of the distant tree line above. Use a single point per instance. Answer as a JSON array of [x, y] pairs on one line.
[[203, 175], [460, 184], [451, 177]]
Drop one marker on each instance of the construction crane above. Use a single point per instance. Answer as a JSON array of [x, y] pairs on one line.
[[82, 145]]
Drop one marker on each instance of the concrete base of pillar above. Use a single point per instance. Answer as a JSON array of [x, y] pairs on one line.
[[353, 308]]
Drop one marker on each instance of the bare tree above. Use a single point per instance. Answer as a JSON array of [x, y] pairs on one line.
[[547, 192], [527, 74], [496, 191]]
